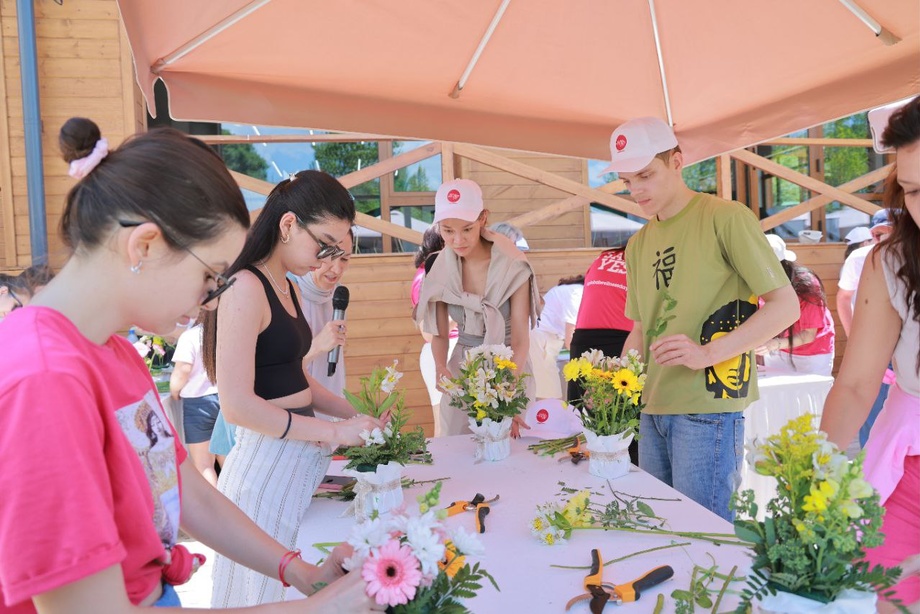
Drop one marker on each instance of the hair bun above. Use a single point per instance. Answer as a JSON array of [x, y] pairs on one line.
[[77, 138]]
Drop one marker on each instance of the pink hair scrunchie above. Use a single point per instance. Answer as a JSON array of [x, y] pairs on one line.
[[81, 167]]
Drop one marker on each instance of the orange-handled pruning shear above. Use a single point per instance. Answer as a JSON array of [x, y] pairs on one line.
[[600, 592], [575, 453], [477, 504]]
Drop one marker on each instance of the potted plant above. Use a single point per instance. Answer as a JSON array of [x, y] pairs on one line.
[[609, 407], [491, 394], [377, 465], [415, 565], [808, 551]]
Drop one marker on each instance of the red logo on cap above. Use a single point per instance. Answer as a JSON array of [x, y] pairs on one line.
[[621, 143], [542, 416], [453, 196]]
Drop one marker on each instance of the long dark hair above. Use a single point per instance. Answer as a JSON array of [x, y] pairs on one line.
[[163, 175], [431, 242], [904, 129], [313, 196]]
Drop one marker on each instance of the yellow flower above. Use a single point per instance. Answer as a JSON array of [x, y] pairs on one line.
[[816, 500], [538, 524], [453, 560], [625, 381], [571, 370], [502, 363], [549, 539], [576, 510], [481, 414]]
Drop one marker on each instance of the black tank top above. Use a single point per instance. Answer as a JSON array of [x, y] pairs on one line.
[[280, 348]]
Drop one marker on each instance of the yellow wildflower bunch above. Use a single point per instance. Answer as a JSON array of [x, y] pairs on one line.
[[820, 522], [612, 398]]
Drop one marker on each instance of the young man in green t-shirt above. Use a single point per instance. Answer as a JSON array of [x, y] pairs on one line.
[[694, 274]]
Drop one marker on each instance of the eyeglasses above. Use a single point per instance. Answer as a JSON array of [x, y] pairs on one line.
[[223, 283], [325, 251], [13, 296]]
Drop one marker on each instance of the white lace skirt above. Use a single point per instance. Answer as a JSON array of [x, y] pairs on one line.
[[272, 480]]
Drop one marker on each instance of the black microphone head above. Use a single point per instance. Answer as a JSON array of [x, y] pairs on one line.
[[340, 298]]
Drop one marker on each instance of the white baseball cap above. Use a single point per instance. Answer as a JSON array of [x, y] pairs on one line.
[[551, 419], [858, 235], [779, 248], [459, 199], [635, 144]]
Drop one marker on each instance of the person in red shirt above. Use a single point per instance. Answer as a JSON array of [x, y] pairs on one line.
[[806, 347], [95, 483]]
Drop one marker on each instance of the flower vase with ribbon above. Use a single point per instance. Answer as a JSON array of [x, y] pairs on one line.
[[609, 407], [377, 465], [493, 439], [378, 488], [492, 393]]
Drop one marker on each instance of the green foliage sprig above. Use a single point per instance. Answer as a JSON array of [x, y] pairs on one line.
[[378, 398]]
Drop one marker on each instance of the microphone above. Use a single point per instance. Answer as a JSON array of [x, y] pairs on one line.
[[339, 304]]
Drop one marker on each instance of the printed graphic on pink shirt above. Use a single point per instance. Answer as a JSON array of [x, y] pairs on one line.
[[146, 427]]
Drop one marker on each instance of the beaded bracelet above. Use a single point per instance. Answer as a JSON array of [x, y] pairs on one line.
[[289, 556], [288, 427]]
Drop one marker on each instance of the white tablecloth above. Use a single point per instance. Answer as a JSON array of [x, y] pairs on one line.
[[782, 397], [520, 564]]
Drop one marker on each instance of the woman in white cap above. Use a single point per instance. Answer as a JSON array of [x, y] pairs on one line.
[[806, 347], [481, 281]]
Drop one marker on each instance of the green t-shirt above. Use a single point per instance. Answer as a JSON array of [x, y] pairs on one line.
[[699, 274]]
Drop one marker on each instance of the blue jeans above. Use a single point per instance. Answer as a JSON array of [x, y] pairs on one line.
[[873, 414], [169, 598], [698, 455]]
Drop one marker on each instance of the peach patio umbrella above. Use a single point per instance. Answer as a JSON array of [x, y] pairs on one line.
[[540, 75]]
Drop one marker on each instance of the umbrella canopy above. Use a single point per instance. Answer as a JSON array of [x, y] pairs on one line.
[[536, 75]]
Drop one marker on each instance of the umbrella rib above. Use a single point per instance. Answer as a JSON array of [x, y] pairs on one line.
[[207, 35], [455, 93], [885, 35], [664, 79]]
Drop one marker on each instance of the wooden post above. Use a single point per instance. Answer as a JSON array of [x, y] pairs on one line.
[[724, 177], [447, 162], [385, 152], [816, 170]]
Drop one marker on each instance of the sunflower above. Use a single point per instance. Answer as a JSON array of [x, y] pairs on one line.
[[625, 381]]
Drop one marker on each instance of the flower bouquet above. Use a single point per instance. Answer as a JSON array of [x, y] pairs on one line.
[[609, 407], [377, 465], [155, 351], [809, 549], [413, 565], [490, 392]]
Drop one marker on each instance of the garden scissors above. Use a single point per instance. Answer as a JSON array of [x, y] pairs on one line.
[[477, 504], [600, 592], [575, 454]]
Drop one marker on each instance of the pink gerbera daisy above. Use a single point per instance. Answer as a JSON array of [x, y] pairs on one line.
[[392, 574]]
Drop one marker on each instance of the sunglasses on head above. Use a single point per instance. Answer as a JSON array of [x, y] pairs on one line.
[[223, 283]]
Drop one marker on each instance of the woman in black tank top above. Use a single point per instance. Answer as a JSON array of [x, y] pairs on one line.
[[255, 344]]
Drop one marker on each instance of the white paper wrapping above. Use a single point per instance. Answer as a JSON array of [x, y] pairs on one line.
[[609, 456], [493, 439], [848, 601], [380, 490]]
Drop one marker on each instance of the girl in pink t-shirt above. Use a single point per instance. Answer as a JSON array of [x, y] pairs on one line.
[[91, 471]]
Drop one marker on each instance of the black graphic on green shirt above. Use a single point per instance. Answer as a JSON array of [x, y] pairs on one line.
[[730, 378], [664, 267]]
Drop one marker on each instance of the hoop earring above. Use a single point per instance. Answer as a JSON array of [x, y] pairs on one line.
[[285, 239], [136, 269]]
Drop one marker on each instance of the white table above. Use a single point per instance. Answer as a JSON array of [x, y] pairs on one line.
[[520, 564], [782, 397]]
